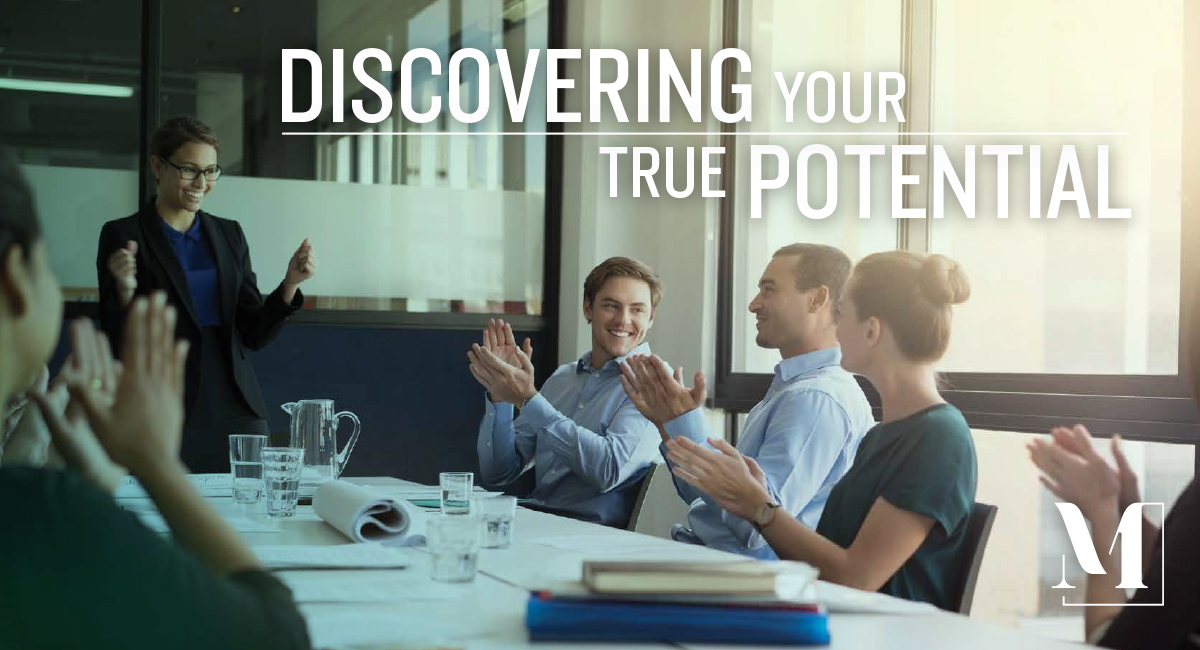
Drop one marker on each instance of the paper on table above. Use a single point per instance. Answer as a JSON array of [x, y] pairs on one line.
[[154, 521], [342, 556], [365, 516], [842, 599], [415, 492], [209, 485], [392, 586], [641, 546], [421, 492], [352, 628]]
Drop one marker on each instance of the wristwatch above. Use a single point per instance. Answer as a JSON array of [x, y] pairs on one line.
[[764, 515]]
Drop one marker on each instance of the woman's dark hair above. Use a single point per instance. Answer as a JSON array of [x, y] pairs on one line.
[[19, 224], [178, 131]]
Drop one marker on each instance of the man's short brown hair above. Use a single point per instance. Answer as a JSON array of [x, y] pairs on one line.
[[622, 267], [820, 265]]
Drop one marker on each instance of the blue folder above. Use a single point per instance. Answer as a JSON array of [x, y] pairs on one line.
[[572, 618]]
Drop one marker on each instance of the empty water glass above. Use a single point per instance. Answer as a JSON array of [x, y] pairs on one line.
[[246, 468], [496, 516], [456, 492], [453, 542], [281, 479]]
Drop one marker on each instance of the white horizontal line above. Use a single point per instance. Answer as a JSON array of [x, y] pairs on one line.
[[1066, 604], [740, 133]]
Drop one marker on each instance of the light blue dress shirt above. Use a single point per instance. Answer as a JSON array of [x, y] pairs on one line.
[[803, 434], [589, 443]]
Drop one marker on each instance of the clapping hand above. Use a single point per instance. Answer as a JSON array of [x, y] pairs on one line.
[[141, 425], [505, 370], [301, 267], [658, 395], [122, 264], [498, 337], [733, 479], [1077, 439], [90, 367], [1074, 472]]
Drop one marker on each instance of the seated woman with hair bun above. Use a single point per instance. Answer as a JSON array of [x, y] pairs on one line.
[[897, 521]]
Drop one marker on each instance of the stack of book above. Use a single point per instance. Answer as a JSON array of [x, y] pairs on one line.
[[743, 601]]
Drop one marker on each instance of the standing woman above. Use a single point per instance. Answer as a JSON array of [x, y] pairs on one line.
[[897, 521], [202, 262]]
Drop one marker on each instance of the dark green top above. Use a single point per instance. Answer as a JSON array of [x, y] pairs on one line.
[[924, 463], [77, 571]]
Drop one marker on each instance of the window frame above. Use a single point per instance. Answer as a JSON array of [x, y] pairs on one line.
[[150, 116], [1155, 408]]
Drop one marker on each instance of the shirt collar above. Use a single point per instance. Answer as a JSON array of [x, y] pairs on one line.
[[192, 233], [792, 367], [585, 362]]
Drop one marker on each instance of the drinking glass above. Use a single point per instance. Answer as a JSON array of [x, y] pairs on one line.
[[454, 544], [246, 468], [456, 492], [281, 479], [496, 516]]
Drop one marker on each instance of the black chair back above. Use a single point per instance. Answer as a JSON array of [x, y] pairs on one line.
[[979, 528], [643, 489]]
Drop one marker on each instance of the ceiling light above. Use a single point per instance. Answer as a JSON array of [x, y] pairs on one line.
[[66, 87]]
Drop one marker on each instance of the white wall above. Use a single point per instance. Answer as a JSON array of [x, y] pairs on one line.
[[373, 240], [675, 236], [73, 204]]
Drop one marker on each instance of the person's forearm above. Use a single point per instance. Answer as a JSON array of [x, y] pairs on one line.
[[690, 425], [195, 524], [599, 459], [792, 540], [1103, 588], [501, 449], [288, 292]]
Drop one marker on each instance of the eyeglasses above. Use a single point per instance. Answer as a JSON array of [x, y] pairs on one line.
[[189, 173]]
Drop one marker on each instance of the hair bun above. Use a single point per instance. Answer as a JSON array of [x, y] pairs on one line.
[[943, 281]]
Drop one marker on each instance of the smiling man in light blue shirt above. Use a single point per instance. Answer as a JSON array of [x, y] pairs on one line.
[[589, 444], [804, 432]]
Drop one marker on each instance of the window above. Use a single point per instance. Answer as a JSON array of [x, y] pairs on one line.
[[782, 36], [1069, 320], [438, 217], [70, 113], [1086, 296], [1025, 553], [1091, 308], [446, 236]]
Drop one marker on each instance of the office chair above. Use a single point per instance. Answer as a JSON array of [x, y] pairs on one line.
[[979, 528], [640, 500]]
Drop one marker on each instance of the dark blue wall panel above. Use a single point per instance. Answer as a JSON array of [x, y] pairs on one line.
[[419, 404]]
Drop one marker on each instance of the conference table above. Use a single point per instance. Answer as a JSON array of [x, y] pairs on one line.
[[405, 608]]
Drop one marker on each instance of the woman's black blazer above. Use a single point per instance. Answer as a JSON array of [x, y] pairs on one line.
[[251, 320]]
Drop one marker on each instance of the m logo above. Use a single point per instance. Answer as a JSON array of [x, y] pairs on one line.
[[1129, 531]]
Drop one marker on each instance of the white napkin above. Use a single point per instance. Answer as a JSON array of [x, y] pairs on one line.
[[364, 516]]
